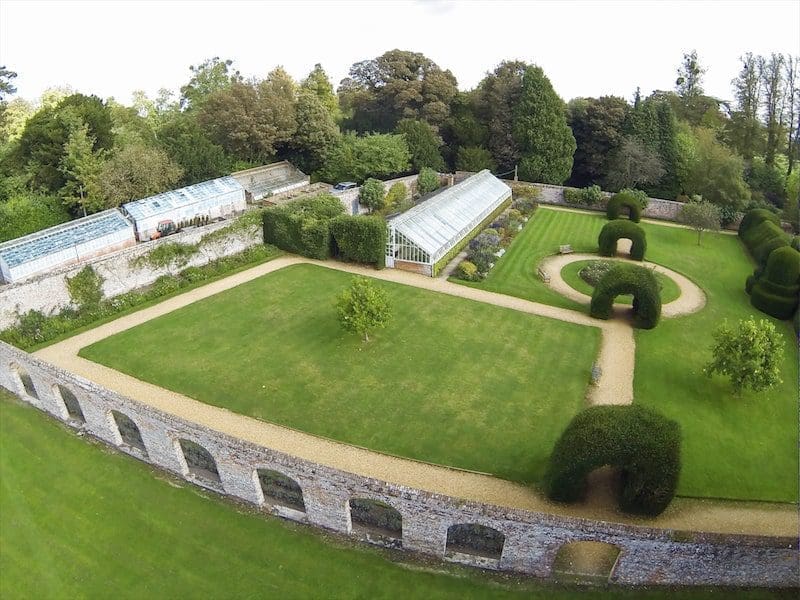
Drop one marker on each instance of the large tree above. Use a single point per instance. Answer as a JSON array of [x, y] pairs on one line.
[[792, 96], [137, 171], [251, 121], [541, 132], [211, 76], [717, 173], [41, 145], [318, 83], [771, 70], [423, 143], [598, 127], [358, 157], [633, 165], [463, 128], [317, 133], [81, 166], [192, 150], [745, 133], [496, 99], [6, 89], [397, 85]]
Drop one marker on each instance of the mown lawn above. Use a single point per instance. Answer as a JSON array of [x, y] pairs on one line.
[[733, 447], [739, 448], [449, 381], [80, 521]]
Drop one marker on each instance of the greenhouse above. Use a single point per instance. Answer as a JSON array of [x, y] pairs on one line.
[[423, 236], [211, 199], [268, 180], [65, 244]]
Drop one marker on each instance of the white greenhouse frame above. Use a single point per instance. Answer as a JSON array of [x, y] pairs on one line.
[[65, 244], [215, 198], [425, 233]]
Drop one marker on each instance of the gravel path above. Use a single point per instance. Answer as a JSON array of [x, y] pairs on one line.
[[690, 301], [683, 514]]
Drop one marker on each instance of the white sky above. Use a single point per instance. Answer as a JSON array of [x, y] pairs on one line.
[[596, 48]]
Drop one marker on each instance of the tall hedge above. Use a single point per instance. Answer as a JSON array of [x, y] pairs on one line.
[[777, 290], [625, 278], [302, 226], [754, 217], [624, 199], [618, 229], [360, 239], [642, 443]]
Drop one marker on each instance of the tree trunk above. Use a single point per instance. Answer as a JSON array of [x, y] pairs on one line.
[[366, 336]]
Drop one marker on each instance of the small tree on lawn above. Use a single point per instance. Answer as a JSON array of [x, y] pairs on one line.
[[750, 355], [701, 216], [372, 195], [363, 307]]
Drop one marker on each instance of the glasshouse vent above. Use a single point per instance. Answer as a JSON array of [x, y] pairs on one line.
[[212, 199], [262, 182], [421, 238], [65, 244]]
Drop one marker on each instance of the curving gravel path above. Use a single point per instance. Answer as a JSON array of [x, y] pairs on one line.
[[616, 386], [691, 300]]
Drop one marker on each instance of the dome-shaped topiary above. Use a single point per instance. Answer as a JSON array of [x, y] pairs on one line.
[[628, 279], [776, 292], [642, 443], [783, 266], [613, 231], [755, 217], [624, 200]]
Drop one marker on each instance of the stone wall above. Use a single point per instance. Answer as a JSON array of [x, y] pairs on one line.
[[47, 293], [350, 197], [532, 540]]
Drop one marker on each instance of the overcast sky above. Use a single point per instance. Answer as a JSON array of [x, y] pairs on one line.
[[111, 48]]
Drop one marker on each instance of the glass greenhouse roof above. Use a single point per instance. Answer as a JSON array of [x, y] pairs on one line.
[[61, 237], [161, 203], [451, 214]]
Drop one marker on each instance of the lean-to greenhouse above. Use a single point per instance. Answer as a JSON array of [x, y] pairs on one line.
[[421, 238]]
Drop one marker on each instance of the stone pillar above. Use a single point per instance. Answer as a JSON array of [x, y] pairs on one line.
[[327, 508], [424, 532]]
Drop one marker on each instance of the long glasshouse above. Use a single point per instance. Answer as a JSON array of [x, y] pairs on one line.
[[65, 244], [422, 236], [215, 198]]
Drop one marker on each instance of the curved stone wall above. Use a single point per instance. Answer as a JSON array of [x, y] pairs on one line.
[[530, 541]]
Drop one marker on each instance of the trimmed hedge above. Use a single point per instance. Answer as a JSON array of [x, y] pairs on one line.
[[302, 226], [642, 443], [360, 239], [613, 231], [624, 199], [754, 217], [625, 278], [776, 291]]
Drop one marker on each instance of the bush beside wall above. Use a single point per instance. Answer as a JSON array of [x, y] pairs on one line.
[[642, 443]]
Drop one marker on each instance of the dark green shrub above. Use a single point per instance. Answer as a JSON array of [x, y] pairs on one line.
[[467, 271], [621, 200], [796, 243], [761, 239], [302, 226], [573, 195], [628, 279], [783, 266], [763, 251], [749, 283], [755, 217], [427, 181], [360, 239], [641, 197], [618, 229], [372, 194], [776, 305], [643, 444]]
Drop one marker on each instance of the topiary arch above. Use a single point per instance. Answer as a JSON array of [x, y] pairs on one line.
[[625, 278], [613, 231], [624, 200], [642, 443]]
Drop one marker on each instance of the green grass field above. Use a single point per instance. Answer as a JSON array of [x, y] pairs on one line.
[[449, 381], [571, 274], [81, 521], [739, 448]]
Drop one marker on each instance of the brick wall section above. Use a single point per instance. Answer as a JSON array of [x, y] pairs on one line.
[[47, 293], [648, 556]]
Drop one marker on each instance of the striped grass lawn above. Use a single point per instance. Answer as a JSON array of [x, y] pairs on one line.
[[733, 447], [449, 381]]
